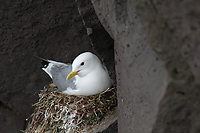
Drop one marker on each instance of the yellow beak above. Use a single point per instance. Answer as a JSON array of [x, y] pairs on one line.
[[72, 74]]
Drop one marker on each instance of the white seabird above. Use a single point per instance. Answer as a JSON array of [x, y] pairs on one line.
[[85, 76]]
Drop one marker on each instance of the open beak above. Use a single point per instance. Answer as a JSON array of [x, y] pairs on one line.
[[72, 74]]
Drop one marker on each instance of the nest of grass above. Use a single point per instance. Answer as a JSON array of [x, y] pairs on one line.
[[59, 112]]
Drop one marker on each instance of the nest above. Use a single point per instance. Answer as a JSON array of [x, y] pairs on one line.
[[58, 112]]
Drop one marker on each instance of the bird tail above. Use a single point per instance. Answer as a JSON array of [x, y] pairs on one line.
[[45, 65], [44, 62]]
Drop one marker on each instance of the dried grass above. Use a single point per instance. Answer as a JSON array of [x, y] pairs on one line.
[[58, 112]]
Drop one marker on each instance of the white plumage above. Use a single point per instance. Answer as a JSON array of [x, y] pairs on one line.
[[88, 75]]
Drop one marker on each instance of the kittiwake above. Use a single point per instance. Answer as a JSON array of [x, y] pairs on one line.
[[85, 76]]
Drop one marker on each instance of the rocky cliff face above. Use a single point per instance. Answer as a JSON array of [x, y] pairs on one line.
[[157, 55], [156, 47], [51, 29]]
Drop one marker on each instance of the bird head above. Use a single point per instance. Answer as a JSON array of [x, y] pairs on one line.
[[84, 64]]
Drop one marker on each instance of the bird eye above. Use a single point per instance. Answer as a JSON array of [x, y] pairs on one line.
[[82, 63]]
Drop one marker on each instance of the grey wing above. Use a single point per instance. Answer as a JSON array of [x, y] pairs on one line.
[[59, 74]]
